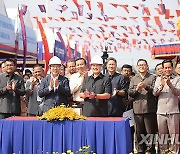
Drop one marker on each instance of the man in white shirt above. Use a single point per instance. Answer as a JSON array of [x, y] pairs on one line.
[[77, 79]]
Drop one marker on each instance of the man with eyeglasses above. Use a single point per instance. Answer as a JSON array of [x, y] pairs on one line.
[[11, 88], [144, 105], [54, 87]]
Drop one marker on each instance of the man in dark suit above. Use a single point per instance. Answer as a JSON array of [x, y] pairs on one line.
[[32, 87], [11, 88], [144, 105], [54, 87], [115, 103]]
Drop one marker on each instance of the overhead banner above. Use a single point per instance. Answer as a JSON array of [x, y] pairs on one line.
[[31, 42], [7, 35]]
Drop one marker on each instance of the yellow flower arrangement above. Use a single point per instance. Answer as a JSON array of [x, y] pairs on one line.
[[61, 113]]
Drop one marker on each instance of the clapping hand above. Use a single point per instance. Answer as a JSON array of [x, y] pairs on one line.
[[168, 81], [33, 81], [92, 95], [85, 73], [56, 83], [140, 86], [115, 91], [8, 86], [51, 84], [162, 81], [86, 93], [13, 85]]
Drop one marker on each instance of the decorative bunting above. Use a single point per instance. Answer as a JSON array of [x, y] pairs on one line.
[[23, 9], [167, 15], [80, 10], [42, 8], [89, 4], [125, 7], [100, 5]]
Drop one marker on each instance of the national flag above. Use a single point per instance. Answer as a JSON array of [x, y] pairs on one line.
[[133, 18], [46, 47], [42, 8], [131, 30], [79, 29], [75, 15], [115, 5], [159, 11], [136, 7], [115, 48], [112, 33], [23, 9], [44, 20], [167, 15], [114, 26], [162, 7], [124, 27], [146, 9], [157, 20], [64, 7], [89, 4], [91, 28], [100, 5], [72, 29], [90, 15], [99, 18], [125, 7], [80, 10], [102, 29], [106, 18], [63, 19], [172, 24], [59, 10], [134, 42], [76, 3], [178, 13], [138, 28]]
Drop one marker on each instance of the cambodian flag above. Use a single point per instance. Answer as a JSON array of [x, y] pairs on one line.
[[42, 8]]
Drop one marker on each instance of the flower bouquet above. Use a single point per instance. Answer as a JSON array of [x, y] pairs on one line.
[[61, 113]]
